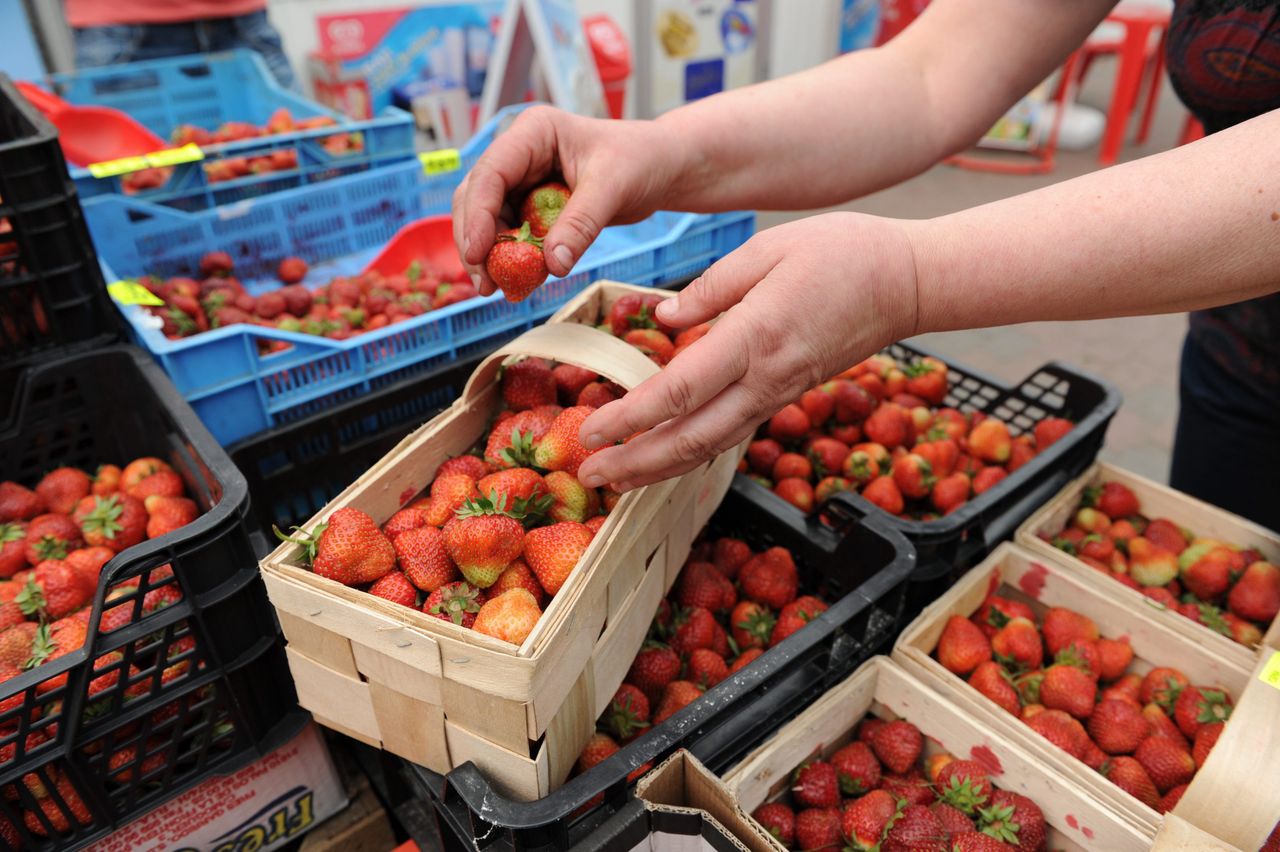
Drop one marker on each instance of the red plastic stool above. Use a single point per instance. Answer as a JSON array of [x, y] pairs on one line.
[[1141, 48]]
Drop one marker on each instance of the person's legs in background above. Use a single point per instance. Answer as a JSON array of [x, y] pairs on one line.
[[255, 32], [1227, 447]]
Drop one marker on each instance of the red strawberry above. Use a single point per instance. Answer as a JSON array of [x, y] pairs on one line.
[[515, 263], [815, 785], [1060, 627], [952, 820], [1050, 430], [745, 659], [139, 469], [424, 558], [1162, 685], [962, 647], [55, 590], [927, 379], [1016, 820], [729, 555], [560, 448], [865, 820], [1117, 727], [13, 546], [472, 466], [889, 425], [1256, 595], [1167, 762], [457, 602], [700, 584], [651, 342], [1060, 729], [789, 424], [1160, 724], [777, 819], [117, 522], [763, 454], [1068, 688], [964, 784], [988, 478], [819, 405], [570, 381], [1170, 801], [898, 745], [913, 475], [166, 514], [770, 578], [883, 491], [519, 576], [483, 541], [396, 588], [1167, 535], [857, 769], [520, 491], [652, 669], [597, 750], [915, 830], [1206, 738], [995, 612], [695, 628], [795, 616], [1114, 656], [990, 442], [677, 695], [510, 616], [1017, 645], [1113, 499], [628, 713], [165, 482], [349, 548], [818, 829], [528, 384], [706, 668], [50, 537], [403, 521], [1127, 774], [992, 681], [950, 492], [553, 552], [1197, 706], [62, 488], [106, 481]]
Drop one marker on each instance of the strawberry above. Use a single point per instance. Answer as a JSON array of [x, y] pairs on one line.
[[1023, 451], [1205, 570], [962, 647], [859, 468], [763, 454], [789, 424], [827, 455], [745, 659], [520, 491], [519, 576], [1050, 430], [596, 524], [964, 784], [60, 818], [560, 448], [1069, 688], [1197, 706], [50, 537], [992, 681], [1113, 499], [1167, 535], [1128, 774], [988, 478], [1114, 656], [1205, 740], [652, 669], [1170, 801], [1162, 685], [628, 713], [13, 547], [1166, 761], [483, 541], [916, 829], [989, 441], [818, 404], [651, 342], [867, 729], [889, 425], [694, 628], [571, 500], [515, 263], [15, 647], [1017, 645], [857, 769], [1062, 730], [1160, 724], [553, 552], [865, 820], [700, 584], [1117, 726], [883, 491], [677, 695], [62, 488], [794, 616], [216, 263], [770, 579], [511, 442], [1014, 819], [798, 492], [913, 476], [778, 820], [1061, 627], [816, 785], [927, 379], [166, 514], [349, 548], [165, 482], [528, 384], [117, 522], [55, 590], [950, 492], [396, 588], [729, 555], [1127, 688], [570, 381], [705, 667], [543, 205], [457, 602], [1256, 595], [995, 612], [291, 270], [598, 749], [1150, 564], [424, 558], [818, 829], [792, 466], [509, 616], [472, 466], [953, 821], [139, 469], [406, 519], [898, 745], [106, 481]]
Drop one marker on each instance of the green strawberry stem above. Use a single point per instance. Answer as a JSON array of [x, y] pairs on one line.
[[525, 235], [309, 540]]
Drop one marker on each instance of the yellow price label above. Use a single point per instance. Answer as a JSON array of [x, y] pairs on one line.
[[439, 162], [189, 153], [1270, 673], [132, 293]]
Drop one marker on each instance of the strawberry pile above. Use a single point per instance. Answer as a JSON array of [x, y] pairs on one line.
[[1147, 733], [882, 792], [231, 168], [515, 263], [879, 428], [54, 541], [1231, 590], [728, 606], [633, 319], [498, 531], [343, 308]]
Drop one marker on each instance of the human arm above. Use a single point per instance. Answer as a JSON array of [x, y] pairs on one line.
[[1189, 228], [845, 128]]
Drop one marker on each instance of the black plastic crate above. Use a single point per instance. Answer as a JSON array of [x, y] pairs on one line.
[[182, 672], [950, 545], [866, 572], [51, 289]]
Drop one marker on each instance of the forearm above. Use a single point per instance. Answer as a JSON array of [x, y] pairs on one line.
[[1190, 228]]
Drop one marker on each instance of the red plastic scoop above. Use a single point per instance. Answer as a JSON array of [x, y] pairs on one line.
[[428, 241], [90, 134]]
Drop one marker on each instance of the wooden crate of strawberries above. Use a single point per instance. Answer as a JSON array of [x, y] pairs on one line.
[[509, 686], [1097, 688], [882, 761], [1206, 573]]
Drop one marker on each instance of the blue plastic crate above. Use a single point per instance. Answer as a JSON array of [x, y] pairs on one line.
[[210, 89], [339, 226]]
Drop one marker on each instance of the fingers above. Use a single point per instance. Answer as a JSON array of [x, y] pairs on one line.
[[593, 204], [694, 378], [458, 222], [723, 285]]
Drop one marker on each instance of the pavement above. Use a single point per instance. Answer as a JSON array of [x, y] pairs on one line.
[[1137, 355]]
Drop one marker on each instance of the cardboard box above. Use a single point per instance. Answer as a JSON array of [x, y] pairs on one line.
[[264, 806]]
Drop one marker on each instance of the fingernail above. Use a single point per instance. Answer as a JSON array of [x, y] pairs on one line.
[[594, 441], [593, 481], [669, 307], [466, 247], [563, 256], [475, 279]]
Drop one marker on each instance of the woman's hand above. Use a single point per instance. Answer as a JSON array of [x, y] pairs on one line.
[[802, 302], [618, 172]]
